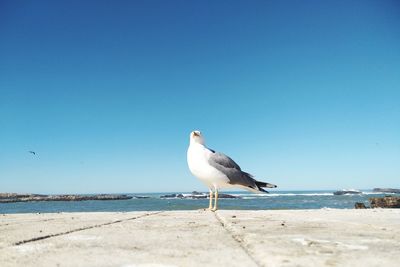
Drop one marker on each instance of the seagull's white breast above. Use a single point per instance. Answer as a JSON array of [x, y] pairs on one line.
[[197, 157]]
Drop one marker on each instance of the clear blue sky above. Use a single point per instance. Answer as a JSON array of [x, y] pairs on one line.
[[304, 94]]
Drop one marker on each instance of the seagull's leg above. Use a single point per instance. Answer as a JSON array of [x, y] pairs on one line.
[[211, 198], [216, 200]]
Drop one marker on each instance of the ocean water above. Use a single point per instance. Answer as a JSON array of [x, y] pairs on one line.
[[248, 201]]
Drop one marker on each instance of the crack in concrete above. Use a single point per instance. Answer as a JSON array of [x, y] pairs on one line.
[[237, 238], [82, 229]]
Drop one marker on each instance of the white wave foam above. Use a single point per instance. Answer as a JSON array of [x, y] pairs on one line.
[[377, 193], [281, 195]]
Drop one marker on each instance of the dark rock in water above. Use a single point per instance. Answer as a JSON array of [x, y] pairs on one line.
[[172, 196], [386, 190], [222, 195], [169, 196], [360, 205], [385, 202], [192, 196], [197, 195], [141, 197], [13, 197], [347, 192]]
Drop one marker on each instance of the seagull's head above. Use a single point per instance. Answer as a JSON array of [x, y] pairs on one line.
[[196, 137]]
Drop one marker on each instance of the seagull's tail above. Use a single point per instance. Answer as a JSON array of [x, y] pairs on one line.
[[260, 186]]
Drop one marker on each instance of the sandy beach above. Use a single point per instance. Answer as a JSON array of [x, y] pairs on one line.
[[326, 237]]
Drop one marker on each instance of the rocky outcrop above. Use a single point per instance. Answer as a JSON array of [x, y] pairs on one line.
[[360, 205], [140, 197], [13, 197], [347, 192], [222, 195], [386, 190], [385, 202], [172, 196]]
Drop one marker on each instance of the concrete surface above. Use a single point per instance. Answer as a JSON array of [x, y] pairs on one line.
[[324, 237]]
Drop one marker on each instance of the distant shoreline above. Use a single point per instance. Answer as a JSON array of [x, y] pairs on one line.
[[14, 197]]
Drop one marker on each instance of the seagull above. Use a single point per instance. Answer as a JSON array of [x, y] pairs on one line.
[[218, 171], [32, 152]]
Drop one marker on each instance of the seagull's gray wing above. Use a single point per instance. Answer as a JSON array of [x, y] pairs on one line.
[[231, 169]]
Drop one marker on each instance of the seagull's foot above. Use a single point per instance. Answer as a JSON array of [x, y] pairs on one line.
[[214, 209]]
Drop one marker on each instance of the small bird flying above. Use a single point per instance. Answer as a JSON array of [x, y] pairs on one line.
[[32, 152], [218, 171]]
